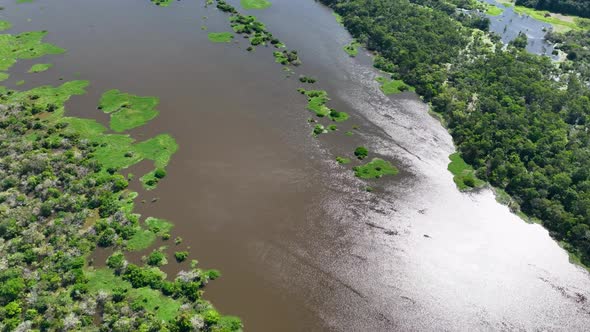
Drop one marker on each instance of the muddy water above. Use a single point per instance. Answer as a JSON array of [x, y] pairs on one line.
[[301, 246]]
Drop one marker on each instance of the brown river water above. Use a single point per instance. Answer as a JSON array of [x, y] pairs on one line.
[[301, 245]]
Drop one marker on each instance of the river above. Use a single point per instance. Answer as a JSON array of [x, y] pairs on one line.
[[301, 245]]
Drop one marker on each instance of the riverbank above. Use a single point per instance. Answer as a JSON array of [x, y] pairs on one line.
[[486, 149]]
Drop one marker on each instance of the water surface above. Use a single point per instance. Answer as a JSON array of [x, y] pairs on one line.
[[301, 245]]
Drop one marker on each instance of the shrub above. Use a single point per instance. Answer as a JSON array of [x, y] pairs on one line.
[[181, 256], [160, 173], [361, 152], [156, 258]]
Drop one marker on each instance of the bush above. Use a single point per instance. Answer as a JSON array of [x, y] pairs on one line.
[[181, 256], [156, 258], [116, 261], [361, 152], [160, 173]]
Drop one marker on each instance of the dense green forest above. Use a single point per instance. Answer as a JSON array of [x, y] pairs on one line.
[[519, 120], [571, 7]]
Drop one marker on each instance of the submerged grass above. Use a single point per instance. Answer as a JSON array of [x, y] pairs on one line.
[[464, 175], [255, 4], [352, 48], [26, 45], [128, 111], [5, 25], [390, 87], [316, 102], [220, 37], [494, 10], [375, 169], [40, 67]]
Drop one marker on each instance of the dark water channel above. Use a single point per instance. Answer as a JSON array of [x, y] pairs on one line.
[[301, 245]]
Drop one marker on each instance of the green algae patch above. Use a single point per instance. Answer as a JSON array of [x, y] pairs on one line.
[[128, 111], [21, 82], [390, 87], [255, 4], [4, 76], [5, 25], [375, 169], [352, 49], [464, 175], [162, 3], [26, 45], [494, 10], [220, 37], [105, 280], [343, 160], [40, 67]]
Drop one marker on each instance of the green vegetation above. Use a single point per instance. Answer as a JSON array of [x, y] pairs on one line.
[[494, 10], [55, 190], [255, 4], [576, 45], [162, 3], [559, 23], [20, 82], [361, 152], [318, 130], [317, 100], [158, 226], [141, 239], [519, 121], [4, 76], [104, 280], [181, 256], [338, 18], [307, 79], [464, 175], [40, 67], [352, 48], [571, 7], [393, 86], [254, 30], [26, 45], [128, 111], [343, 160], [4, 25], [220, 37], [375, 169], [156, 258], [287, 58]]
